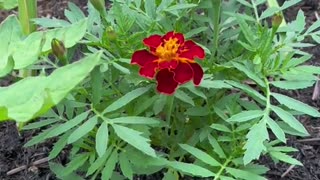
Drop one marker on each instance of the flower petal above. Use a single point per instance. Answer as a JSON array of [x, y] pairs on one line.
[[142, 57], [183, 73], [192, 50], [197, 73], [173, 35], [153, 41], [168, 64], [166, 83], [149, 70]]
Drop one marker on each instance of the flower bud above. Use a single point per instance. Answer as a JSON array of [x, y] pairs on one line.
[[277, 20], [58, 49], [109, 35], [99, 5]]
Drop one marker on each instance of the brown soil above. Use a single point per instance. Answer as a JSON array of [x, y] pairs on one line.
[[14, 155]]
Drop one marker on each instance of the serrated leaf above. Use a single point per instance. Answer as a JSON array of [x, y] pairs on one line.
[[242, 174], [292, 85], [276, 129], [110, 166], [220, 127], [214, 84], [135, 139], [134, 120], [246, 116], [83, 130], [201, 155], [179, 94], [102, 139], [126, 99], [296, 105], [289, 119], [285, 158], [125, 166], [254, 145], [249, 73], [192, 169]]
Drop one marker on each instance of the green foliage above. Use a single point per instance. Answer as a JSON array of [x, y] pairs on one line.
[[116, 123]]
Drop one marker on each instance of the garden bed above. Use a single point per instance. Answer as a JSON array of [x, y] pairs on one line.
[[31, 163]]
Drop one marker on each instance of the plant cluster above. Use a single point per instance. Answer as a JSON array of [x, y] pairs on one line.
[[188, 87]]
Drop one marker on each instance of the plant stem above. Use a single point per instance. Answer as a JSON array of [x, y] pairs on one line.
[[27, 11], [216, 21], [170, 101], [268, 94], [255, 11], [223, 167]]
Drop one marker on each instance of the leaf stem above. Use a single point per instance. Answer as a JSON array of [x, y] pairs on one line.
[[170, 101], [223, 167], [216, 21], [255, 11], [268, 95]]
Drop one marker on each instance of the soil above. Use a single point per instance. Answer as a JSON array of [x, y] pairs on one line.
[[13, 155]]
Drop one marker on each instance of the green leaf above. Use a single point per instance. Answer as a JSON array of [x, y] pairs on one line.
[[276, 129], [245, 30], [195, 31], [126, 99], [68, 125], [246, 116], [179, 94], [69, 35], [121, 68], [216, 147], [285, 158], [96, 85], [292, 85], [198, 111], [192, 169], [134, 120], [99, 163], [8, 4], [32, 102], [220, 127], [110, 165], [135, 139], [296, 105], [159, 104], [40, 124], [102, 139], [40, 137], [308, 69], [125, 166], [214, 84], [76, 162], [201, 155], [58, 168], [59, 145], [83, 130], [254, 146], [249, 73], [241, 174], [180, 6], [250, 91], [150, 7], [289, 119]]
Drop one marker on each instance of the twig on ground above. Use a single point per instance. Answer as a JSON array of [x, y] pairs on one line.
[[21, 168]]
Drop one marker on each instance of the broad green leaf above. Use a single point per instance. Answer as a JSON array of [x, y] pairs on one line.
[[135, 139], [289, 119], [249, 73], [201, 155], [285, 158], [74, 13], [10, 34], [179, 94], [296, 105], [133, 120], [220, 127], [59, 145], [242, 174], [192, 169], [126, 99], [68, 125], [254, 146], [276, 129], [69, 35], [8, 4], [246, 116], [31, 102], [102, 139], [99, 162], [110, 165], [308, 69], [216, 147], [214, 84], [50, 23], [125, 166], [292, 85], [83, 130]]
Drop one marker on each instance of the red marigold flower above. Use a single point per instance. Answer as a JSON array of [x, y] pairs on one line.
[[171, 60]]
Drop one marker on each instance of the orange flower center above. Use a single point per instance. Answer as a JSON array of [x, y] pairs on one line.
[[168, 50]]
